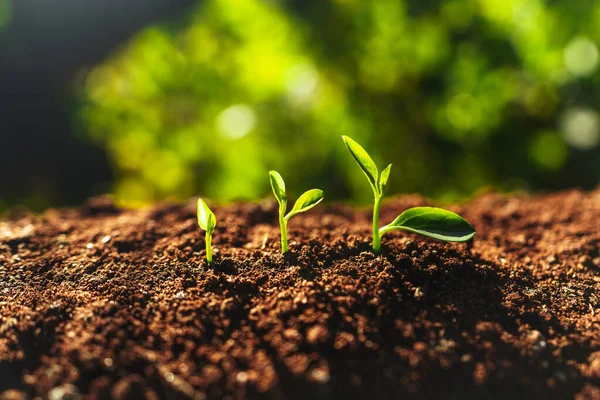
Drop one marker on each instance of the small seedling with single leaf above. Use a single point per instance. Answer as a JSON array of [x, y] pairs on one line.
[[429, 221], [305, 202], [207, 221]]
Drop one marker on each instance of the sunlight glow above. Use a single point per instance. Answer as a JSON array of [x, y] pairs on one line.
[[301, 83], [581, 56], [236, 121], [581, 128]]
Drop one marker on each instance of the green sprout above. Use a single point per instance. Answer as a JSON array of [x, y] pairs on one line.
[[207, 221], [429, 221], [305, 202]]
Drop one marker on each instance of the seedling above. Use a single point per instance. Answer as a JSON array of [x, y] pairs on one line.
[[305, 202], [429, 221], [207, 221]]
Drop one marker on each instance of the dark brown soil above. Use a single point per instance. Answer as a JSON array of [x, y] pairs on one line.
[[98, 302]]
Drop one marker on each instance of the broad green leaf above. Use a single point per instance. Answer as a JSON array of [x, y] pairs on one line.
[[364, 161], [206, 218], [433, 222], [278, 186], [305, 202], [383, 178]]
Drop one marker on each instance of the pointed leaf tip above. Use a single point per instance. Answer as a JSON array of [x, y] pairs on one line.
[[278, 186], [433, 222], [383, 178], [364, 161]]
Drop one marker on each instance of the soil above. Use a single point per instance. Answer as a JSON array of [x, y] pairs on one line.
[[97, 302]]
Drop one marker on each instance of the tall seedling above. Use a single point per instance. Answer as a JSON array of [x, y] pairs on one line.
[[429, 221]]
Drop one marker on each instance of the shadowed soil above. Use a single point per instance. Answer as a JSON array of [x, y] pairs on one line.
[[102, 303]]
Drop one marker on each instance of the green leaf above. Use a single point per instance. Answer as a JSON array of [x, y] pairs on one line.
[[278, 186], [383, 178], [364, 161], [305, 202], [206, 218], [433, 222]]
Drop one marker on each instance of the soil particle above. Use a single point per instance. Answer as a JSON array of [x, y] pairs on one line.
[[98, 302]]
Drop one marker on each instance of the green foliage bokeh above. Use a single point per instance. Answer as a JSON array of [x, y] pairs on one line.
[[459, 95]]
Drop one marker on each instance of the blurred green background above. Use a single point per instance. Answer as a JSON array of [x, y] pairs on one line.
[[460, 95]]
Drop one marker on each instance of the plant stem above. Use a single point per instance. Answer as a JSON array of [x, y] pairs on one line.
[[376, 235], [209, 247], [283, 227]]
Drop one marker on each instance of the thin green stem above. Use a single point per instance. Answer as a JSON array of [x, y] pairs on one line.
[[283, 226], [376, 234], [209, 257]]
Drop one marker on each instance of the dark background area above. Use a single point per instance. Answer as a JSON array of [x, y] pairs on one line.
[[42, 49]]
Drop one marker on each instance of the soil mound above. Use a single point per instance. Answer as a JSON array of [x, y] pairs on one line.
[[97, 302]]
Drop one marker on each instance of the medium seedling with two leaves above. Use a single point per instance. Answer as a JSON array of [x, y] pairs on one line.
[[429, 221], [304, 203]]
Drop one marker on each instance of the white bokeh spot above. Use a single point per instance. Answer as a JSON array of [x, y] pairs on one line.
[[236, 121], [301, 83], [581, 56], [580, 128]]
